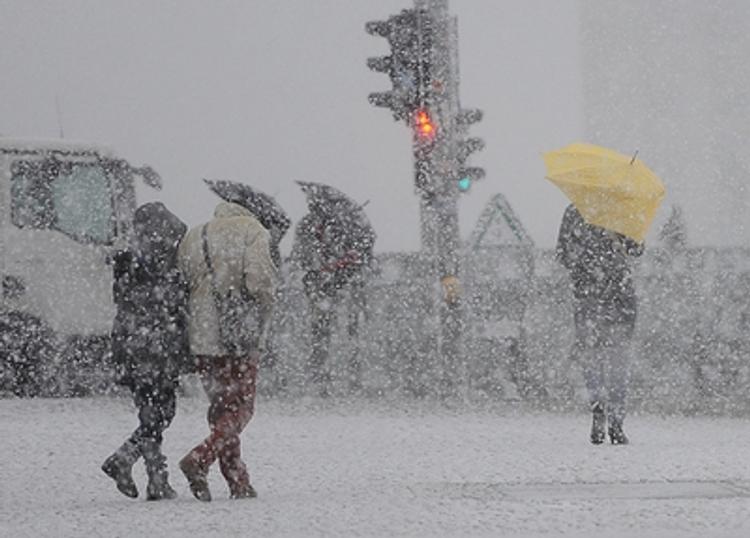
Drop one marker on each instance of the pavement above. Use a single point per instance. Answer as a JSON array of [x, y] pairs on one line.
[[382, 469]]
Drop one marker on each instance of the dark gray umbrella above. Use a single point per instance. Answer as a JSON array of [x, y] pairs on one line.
[[322, 198], [353, 228], [264, 207]]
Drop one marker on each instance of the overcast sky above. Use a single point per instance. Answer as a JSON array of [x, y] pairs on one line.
[[271, 91]]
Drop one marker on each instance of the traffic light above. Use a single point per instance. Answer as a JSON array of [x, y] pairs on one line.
[[408, 35], [424, 131], [467, 175], [424, 126], [464, 183]]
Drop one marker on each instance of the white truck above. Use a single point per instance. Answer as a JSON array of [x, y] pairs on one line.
[[65, 207]]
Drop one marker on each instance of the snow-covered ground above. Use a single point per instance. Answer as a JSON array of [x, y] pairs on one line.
[[375, 470]]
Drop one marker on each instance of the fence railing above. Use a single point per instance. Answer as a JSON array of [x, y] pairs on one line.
[[691, 349]]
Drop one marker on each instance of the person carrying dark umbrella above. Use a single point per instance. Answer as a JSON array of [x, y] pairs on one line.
[[232, 280], [274, 219], [333, 246]]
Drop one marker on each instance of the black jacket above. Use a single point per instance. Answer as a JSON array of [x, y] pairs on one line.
[[599, 263], [149, 334]]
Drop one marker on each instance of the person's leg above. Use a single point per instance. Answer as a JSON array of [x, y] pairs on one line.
[[119, 465], [239, 407], [587, 350], [156, 417], [354, 369], [196, 463], [320, 313], [617, 371], [593, 373]]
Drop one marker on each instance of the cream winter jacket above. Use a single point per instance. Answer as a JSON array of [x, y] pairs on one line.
[[239, 247]]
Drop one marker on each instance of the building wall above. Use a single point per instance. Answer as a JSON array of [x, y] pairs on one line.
[[670, 78]]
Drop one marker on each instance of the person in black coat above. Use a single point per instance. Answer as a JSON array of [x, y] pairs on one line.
[[149, 343], [605, 310], [334, 251]]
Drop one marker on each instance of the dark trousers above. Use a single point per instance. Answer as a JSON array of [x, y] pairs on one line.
[[155, 400], [603, 350], [230, 384], [323, 308]]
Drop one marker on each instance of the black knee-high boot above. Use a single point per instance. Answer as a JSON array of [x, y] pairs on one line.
[[156, 469], [119, 467]]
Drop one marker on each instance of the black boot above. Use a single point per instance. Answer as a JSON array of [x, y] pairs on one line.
[[119, 467], [158, 487], [156, 467], [598, 424], [616, 434]]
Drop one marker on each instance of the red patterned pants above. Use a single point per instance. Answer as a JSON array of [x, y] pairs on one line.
[[229, 383]]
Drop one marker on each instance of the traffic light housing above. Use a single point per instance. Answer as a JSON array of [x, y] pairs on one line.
[[408, 65], [467, 175]]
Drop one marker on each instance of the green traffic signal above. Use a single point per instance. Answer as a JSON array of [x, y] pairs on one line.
[[464, 184]]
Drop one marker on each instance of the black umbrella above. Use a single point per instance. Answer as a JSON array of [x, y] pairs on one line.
[[262, 206], [329, 200], [333, 205]]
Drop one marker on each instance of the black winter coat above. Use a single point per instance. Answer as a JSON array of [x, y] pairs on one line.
[[149, 334], [599, 263]]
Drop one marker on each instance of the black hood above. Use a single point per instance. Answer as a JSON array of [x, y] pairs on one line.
[[158, 231]]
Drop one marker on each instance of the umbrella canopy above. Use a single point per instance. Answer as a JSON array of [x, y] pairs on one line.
[[332, 205], [264, 207], [327, 199], [610, 190]]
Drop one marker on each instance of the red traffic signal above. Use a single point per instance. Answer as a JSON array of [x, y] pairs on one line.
[[424, 125]]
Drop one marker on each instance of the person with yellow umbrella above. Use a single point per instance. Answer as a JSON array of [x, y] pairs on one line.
[[614, 200]]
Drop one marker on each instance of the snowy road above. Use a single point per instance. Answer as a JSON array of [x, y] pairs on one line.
[[371, 471]]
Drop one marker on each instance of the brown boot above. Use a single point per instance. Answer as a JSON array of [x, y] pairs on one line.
[[197, 477], [244, 492]]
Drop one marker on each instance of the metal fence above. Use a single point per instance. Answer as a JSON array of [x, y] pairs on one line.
[[691, 351]]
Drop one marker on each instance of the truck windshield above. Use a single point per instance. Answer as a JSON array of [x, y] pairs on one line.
[[73, 198]]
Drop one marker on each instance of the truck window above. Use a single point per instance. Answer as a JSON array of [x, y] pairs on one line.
[[73, 198]]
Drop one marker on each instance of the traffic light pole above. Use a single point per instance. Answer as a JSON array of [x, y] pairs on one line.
[[423, 68], [439, 205]]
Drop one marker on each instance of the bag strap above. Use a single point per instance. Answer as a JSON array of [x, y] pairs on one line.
[[207, 259], [206, 256]]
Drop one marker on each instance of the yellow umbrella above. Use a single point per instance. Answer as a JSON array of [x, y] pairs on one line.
[[610, 190]]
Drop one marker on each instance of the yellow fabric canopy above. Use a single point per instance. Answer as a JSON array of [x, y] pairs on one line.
[[609, 189]]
